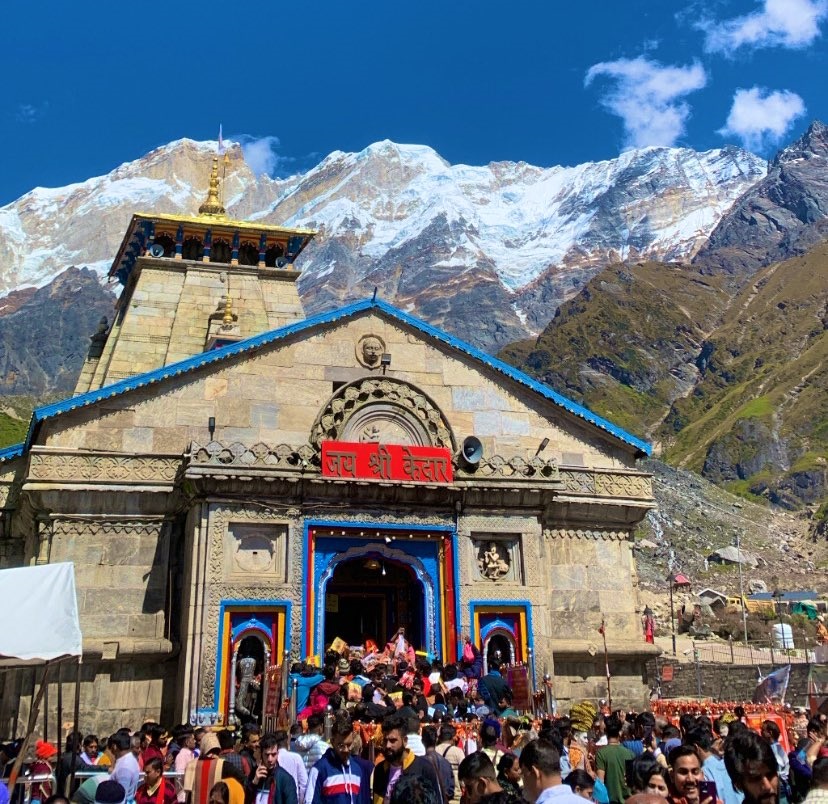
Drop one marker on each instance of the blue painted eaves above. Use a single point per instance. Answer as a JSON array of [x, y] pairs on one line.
[[14, 451], [276, 335]]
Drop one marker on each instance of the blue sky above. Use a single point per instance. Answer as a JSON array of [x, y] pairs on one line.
[[89, 85]]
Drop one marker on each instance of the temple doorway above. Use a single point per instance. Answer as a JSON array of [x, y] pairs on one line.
[[370, 597], [499, 646]]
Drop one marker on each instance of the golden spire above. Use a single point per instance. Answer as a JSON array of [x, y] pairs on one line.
[[213, 205]]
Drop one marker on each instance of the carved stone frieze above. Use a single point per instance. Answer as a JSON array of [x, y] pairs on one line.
[[515, 467], [93, 527], [283, 456], [607, 484], [597, 534], [406, 402], [102, 467]]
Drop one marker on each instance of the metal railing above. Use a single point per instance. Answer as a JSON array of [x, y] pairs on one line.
[[754, 653], [25, 781]]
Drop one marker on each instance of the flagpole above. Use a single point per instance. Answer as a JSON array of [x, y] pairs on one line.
[[603, 631]]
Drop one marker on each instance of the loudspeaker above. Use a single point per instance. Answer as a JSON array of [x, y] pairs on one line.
[[471, 452], [156, 250]]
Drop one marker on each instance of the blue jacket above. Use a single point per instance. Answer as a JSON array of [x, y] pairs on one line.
[[306, 684], [335, 783]]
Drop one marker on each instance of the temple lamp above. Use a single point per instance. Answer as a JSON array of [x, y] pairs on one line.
[[677, 581]]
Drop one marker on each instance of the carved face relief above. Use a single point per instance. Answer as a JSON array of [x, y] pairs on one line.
[[369, 351]]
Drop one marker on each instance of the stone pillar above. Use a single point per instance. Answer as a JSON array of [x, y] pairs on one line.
[[208, 245]]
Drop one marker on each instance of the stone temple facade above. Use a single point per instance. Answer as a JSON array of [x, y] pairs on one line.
[[234, 481]]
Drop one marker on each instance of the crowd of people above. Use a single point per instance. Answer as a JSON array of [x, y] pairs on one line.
[[407, 730]]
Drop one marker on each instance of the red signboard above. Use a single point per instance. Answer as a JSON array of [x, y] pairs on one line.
[[354, 461]]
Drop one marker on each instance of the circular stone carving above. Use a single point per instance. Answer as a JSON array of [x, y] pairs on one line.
[[383, 409], [369, 350]]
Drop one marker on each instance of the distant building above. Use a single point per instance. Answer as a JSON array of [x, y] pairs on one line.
[[713, 598], [730, 555]]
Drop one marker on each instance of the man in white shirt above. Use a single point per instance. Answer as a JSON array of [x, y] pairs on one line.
[[292, 763], [126, 771], [540, 768]]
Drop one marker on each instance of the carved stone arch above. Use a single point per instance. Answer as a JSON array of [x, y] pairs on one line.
[[382, 402]]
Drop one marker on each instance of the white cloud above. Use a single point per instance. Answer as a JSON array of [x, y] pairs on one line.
[[647, 97], [30, 113], [761, 118], [260, 153], [779, 23]]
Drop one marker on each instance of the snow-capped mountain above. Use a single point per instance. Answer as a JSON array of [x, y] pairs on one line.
[[485, 252]]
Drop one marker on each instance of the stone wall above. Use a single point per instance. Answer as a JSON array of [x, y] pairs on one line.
[[723, 682], [113, 695]]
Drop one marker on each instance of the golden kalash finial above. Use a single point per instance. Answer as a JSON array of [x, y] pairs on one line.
[[213, 205], [228, 318]]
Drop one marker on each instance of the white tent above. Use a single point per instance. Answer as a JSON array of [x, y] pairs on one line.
[[44, 629], [45, 625]]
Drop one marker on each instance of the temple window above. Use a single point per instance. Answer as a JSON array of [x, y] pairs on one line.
[[168, 244], [248, 254], [193, 249], [221, 251], [273, 254]]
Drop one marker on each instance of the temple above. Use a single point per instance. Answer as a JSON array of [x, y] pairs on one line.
[[236, 483]]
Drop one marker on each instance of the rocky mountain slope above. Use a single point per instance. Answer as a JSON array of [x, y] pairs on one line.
[[722, 360], [487, 253], [695, 517], [783, 215], [44, 333]]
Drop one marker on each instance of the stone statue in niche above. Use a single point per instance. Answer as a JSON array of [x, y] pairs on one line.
[[493, 561], [369, 351]]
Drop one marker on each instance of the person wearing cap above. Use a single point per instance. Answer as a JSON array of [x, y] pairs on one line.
[[45, 756], [110, 792], [126, 771], [201, 774]]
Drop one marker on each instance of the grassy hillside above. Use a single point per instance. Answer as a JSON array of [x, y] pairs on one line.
[[758, 418], [12, 430], [733, 384], [625, 345]]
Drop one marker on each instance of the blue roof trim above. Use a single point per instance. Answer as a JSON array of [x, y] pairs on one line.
[[14, 451], [273, 336]]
